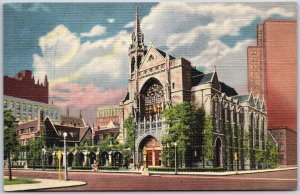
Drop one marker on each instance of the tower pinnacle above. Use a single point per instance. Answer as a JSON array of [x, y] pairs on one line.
[[137, 26]]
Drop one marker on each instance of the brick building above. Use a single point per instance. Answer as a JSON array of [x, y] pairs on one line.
[[287, 145], [272, 75], [272, 71], [107, 114], [23, 85]]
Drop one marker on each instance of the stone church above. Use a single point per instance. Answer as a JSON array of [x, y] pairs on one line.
[[158, 81]]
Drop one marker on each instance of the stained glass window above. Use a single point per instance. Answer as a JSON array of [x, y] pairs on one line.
[[153, 98]]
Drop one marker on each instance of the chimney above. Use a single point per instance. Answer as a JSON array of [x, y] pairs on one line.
[[80, 115], [68, 111]]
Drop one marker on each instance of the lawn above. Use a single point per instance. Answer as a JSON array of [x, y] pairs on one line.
[[19, 181]]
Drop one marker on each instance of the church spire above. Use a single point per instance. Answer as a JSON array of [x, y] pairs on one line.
[[137, 35], [137, 26]]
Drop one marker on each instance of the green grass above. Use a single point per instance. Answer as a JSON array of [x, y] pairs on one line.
[[15, 181]]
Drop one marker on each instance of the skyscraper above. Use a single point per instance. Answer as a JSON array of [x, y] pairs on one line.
[[272, 71]]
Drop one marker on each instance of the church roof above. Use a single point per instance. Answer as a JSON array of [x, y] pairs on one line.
[[201, 79], [242, 98], [229, 91], [164, 54]]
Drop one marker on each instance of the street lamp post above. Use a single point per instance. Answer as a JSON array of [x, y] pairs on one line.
[[43, 157], [175, 144], [65, 155], [168, 154]]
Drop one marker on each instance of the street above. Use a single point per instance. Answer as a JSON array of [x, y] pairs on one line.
[[280, 180]]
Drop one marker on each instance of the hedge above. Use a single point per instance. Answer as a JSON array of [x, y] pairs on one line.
[[187, 169], [17, 166], [109, 168], [81, 167], [46, 167]]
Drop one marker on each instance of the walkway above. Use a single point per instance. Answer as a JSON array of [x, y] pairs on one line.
[[43, 184]]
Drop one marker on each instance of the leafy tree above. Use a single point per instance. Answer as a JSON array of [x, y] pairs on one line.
[[271, 156], [208, 139], [227, 142], [246, 145], [252, 151], [11, 143], [184, 127], [130, 127]]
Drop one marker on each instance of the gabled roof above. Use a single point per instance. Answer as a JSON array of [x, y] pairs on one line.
[[229, 91], [83, 131], [201, 79], [164, 54]]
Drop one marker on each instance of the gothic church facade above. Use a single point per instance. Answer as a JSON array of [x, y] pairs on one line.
[[158, 81]]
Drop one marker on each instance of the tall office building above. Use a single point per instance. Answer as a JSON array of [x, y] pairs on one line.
[[272, 71]]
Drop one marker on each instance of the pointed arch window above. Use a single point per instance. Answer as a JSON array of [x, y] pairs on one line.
[[152, 99]]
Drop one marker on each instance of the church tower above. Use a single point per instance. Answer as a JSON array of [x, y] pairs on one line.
[[137, 50]]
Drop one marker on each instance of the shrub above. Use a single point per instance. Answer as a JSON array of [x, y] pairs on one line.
[[17, 166], [109, 167], [82, 167], [187, 169]]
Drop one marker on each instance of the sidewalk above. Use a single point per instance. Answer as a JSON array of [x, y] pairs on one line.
[[223, 173], [43, 184], [182, 173]]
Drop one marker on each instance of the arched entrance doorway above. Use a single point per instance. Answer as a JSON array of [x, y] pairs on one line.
[[152, 148], [218, 152], [92, 157], [104, 159], [70, 159], [117, 159], [80, 159]]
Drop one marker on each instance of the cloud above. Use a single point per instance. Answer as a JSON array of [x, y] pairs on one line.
[[85, 98], [66, 60], [129, 25], [111, 20], [197, 31], [97, 30], [31, 7]]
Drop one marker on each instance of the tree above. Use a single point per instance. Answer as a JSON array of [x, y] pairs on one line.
[[11, 143], [271, 156], [227, 142], [184, 127], [130, 127], [208, 139]]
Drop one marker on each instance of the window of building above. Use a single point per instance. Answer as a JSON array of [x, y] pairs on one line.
[[281, 157], [18, 106], [5, 104], [35, 109], [29, 108], [24, 107], [281, 146], [281, 135], [173, 85], [12, 104]]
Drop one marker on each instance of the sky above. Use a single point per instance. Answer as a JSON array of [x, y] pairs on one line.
[[83, 47]]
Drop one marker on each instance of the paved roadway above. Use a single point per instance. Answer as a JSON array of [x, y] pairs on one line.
[[280, 180]]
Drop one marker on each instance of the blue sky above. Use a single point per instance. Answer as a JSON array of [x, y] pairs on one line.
[[82, 47]]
